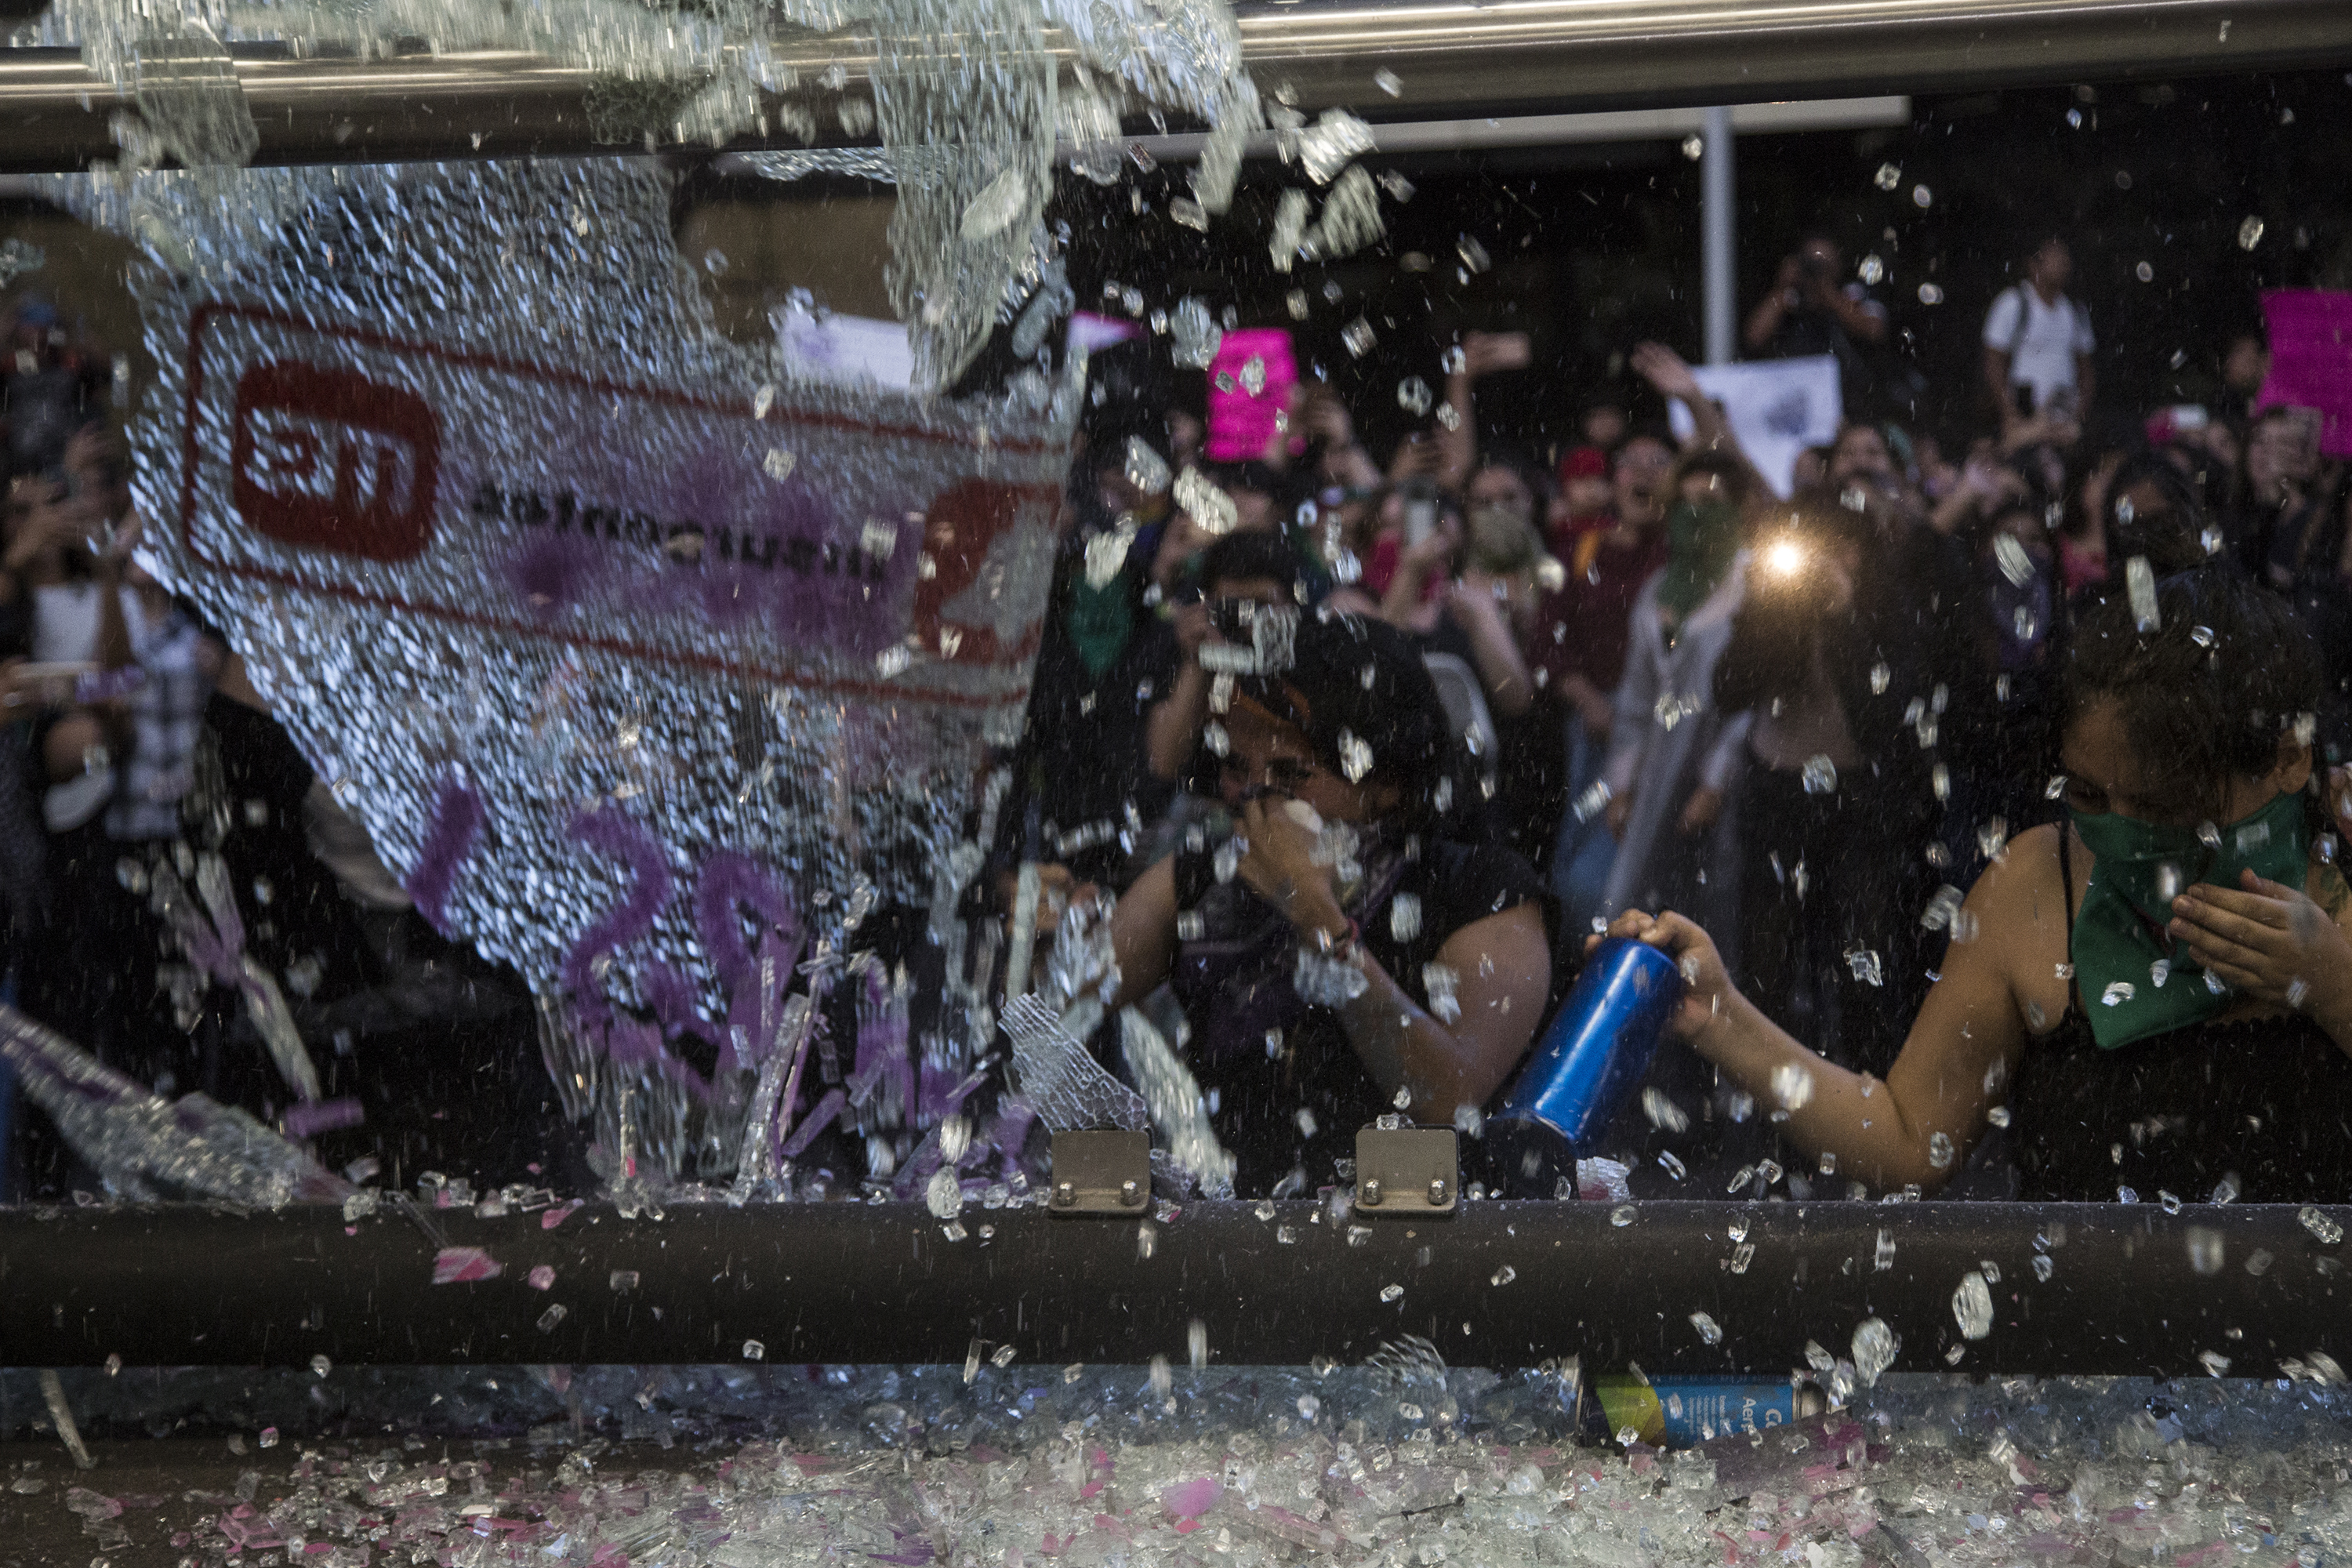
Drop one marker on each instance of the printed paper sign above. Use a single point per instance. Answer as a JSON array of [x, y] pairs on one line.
[[1777, 408]]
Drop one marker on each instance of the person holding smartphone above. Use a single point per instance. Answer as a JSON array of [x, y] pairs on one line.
[[2284, 493], [2038, 342]]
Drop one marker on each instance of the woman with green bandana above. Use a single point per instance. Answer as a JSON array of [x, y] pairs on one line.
[[2155, 996], [1673, 755]]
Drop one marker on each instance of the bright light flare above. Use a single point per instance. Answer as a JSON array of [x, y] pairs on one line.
[[1785, 558]]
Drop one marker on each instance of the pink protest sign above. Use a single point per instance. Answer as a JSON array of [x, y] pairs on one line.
[[1249, 386], [2311, 360]]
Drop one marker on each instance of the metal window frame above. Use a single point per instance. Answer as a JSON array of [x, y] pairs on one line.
[[1444, 59]]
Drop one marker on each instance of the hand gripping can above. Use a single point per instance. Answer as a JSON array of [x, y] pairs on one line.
[[1598, 1048]]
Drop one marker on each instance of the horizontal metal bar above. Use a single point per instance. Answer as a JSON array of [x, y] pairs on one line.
[[1434, 57], [1566, 130], [2129, 1289]]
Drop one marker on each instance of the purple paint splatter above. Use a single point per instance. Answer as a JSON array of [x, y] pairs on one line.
[[450, 832], [818, 1120], [730, 878], [614, 832]]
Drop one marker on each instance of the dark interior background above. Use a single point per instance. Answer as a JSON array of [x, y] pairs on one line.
[[1596, 248]]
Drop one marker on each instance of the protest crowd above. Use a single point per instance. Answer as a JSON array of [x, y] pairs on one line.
[[1802, 697]]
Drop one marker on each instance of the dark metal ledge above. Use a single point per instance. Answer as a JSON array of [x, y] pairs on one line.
[[2131, 1289]]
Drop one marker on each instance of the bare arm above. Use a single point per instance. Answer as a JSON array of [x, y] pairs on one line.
[[1670, 375], [1173, 726], [113, 628], [1492, 648], [1765, 320], [1414, 565], [1143, 934], [1956, 1062], [1502, 965], [1996, 376], [1482, 354], [1505, 974], [1861, 322]]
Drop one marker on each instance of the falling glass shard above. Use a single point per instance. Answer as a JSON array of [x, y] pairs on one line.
[[1972, 1306], [1350, 219], [2139, 585], [1179, 1115], [1290, 227], [1193, 335], [1147, 470], [18, 258], [1202, 501], [999, 202], [189, 101], [1326, 147], [145, 1146], [1059, 1080], [1875, 1346]]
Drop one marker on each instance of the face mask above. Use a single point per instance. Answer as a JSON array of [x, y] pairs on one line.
[[1702, 538], [1501, 539], [2134, 982]]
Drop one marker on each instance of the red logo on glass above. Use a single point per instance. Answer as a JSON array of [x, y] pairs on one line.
[[327, 459]]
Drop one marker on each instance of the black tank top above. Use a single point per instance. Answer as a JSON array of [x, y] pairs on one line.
[[2267, 1101]]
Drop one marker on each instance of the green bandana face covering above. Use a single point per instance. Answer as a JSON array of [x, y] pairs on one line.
[[1702, 538], [2133, 983]]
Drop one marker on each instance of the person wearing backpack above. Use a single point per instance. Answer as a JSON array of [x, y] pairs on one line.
[[2038, 342]]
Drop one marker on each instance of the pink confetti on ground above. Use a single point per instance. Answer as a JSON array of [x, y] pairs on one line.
[[540, 1279], [463, 1265], [1190, 1499], [556, 1217]]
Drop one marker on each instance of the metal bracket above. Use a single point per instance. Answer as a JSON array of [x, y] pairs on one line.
[[1102, 1174], [1407, 1172]]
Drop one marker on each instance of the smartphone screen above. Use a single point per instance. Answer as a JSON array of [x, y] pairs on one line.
[[1420, 519]]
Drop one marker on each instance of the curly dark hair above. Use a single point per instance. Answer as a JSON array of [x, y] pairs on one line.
[[2171, 532], [2206, 697], [1353, 676]]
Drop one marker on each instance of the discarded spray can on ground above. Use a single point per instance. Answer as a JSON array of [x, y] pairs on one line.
[[1678, 1412], [1596, 1051]]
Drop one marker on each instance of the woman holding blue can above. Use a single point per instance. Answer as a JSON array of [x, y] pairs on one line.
[[1344, 945], [2156, 995]]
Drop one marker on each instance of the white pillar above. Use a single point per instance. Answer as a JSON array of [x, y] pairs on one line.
[[1716, 225]]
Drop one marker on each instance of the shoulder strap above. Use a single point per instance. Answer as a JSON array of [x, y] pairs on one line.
[[2025, 310], [2066, 879]]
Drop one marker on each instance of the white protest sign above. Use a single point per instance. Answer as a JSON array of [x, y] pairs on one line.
[[1776, 408]]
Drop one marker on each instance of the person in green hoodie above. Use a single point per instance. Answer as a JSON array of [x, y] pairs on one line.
[[2155, 996], [1674, 756]]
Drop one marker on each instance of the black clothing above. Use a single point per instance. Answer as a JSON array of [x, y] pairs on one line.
[[1830, 935], [1860, 849], [1871, 381], [2267, 1101], [1081, 782], [1259, 1087]]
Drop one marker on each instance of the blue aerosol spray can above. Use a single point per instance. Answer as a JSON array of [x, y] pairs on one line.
[[1598, 1048]]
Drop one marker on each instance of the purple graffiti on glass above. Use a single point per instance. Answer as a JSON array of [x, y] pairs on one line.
[[451, 831]]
